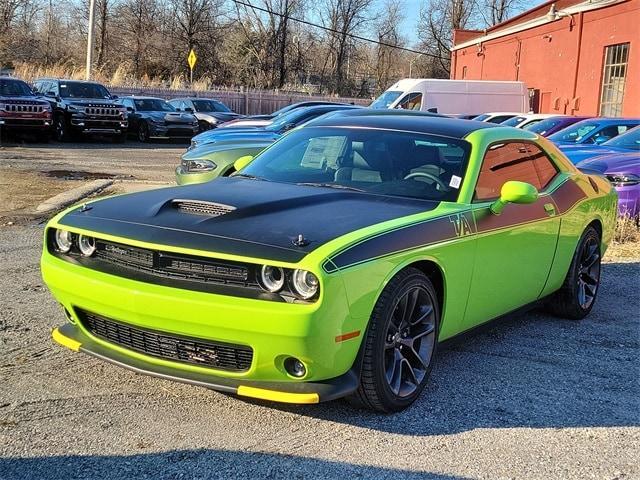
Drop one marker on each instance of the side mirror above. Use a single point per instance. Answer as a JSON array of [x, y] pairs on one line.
[[289, 126], [514, 192], [242, 162], [130, 109], [188, 109], [50, 93], [114, 97]]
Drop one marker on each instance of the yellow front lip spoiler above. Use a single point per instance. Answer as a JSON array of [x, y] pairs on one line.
[[275, 396], [242, 390], [65, 341]]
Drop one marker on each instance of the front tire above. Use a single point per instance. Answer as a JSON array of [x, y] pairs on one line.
[[576, 297], [61, 129], [400, 344], [143, 132]]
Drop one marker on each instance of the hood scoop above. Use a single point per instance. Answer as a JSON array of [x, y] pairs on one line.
[[199, 207]]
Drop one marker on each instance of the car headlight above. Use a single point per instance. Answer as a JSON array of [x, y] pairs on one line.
[[271, 278], [198, 166], [64, 240], [623, 179], [73, 108], [305, 283], [87, 245]]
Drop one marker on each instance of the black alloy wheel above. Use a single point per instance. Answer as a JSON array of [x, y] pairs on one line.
[[588, 277], [410, 341], [576, 297], [61, 129], [143, 132], [400, 343]]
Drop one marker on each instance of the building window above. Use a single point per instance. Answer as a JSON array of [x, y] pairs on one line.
[[464, 72], [613, 79]]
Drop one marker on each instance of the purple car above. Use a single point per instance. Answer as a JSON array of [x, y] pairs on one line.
[[551, 125], [623, 171]]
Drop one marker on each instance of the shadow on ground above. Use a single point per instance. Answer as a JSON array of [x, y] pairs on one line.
[[195, 464], [529, 370]]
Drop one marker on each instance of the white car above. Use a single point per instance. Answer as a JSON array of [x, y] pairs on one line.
[[527, 120], [246, 123], [496, 117]]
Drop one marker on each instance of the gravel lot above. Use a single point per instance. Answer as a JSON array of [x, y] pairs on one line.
[[530, 397]]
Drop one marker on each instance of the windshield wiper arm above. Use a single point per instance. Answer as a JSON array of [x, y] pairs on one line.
[[330, 185], [250, 177]]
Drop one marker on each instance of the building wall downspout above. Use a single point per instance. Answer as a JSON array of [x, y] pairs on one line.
[[577, 69]]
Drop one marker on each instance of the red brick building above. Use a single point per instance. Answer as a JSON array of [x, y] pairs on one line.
[[576, 57]]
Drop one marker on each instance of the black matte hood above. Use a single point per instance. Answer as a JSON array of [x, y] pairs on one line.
[[265, 219]]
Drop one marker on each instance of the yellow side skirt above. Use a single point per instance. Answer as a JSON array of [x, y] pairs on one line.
[[276, 396], [65, 341]]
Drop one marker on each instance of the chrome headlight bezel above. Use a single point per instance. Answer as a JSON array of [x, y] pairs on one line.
[[198, 165]]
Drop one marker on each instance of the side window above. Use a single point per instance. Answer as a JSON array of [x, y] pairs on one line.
[[411, 101], [53, 87], [524, 162], [36, 87]]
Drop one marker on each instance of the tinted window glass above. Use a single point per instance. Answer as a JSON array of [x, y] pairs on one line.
[[575, 133], [375, 161], [523, 162], [542, 126], [500, 118], [630, 140], [153, 105], [83, 90], [386, 99], [14, 87], [411, 101], [513, 121]]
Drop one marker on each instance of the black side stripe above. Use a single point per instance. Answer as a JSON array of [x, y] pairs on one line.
[[450, 227]]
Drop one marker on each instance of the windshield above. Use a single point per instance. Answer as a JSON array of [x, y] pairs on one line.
[[210, 106], [482, 117], [376, 161], [153, 105], [543, 126], [513, 121], [83, 90], [386, 99], [292, 117], [16, 88], [629, 140], [575, 133]]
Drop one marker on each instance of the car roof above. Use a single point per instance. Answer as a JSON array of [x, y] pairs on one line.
[[443, 126], [196, 98], [374, 112], [56, 79], [141, 97]]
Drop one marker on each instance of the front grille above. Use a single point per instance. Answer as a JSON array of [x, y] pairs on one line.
[[173, 265], [102, 111], [18, 108], [197, 207], [222, 356]]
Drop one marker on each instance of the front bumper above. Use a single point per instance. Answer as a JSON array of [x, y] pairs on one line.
[[24, 123], [172, 131], [99, 126], [72, 337], [274, 330], [190, 178]]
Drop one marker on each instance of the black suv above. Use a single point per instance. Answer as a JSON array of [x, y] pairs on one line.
[[22, 111], [83, 107]]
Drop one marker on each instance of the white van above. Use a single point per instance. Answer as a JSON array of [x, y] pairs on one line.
[[455, 96]]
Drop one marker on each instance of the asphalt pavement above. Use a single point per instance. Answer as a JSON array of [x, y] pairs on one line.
[[532, 397]]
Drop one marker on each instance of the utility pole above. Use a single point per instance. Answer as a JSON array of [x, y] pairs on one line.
[[92, 8]]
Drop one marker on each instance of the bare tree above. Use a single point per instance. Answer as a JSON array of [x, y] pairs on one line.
[[344, 18], [438, 20], [388, 32]]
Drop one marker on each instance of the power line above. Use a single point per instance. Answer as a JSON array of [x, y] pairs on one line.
[[332, 30]]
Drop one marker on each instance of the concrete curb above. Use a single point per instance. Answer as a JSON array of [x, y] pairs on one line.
[[71, 196]]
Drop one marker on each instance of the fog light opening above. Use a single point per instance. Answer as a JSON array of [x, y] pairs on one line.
[[295, 367], [68, 315]]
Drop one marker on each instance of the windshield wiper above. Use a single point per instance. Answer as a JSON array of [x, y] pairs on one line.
[[330, 185], [250, 177]]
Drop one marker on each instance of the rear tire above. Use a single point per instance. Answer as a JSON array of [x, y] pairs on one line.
[[576, 297], [400, 344]]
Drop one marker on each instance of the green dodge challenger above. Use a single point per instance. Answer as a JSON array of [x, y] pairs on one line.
[[333, 264]]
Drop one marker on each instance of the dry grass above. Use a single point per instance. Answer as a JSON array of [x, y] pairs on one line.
[[626, 240]]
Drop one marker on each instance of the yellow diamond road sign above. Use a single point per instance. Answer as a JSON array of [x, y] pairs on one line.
[[192, 59]]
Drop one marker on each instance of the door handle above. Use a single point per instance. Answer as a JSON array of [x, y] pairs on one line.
[[550, 209]]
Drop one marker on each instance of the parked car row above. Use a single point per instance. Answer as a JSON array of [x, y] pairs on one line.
[[67, 109]]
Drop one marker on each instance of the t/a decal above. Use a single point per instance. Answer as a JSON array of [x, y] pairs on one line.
[[461, 224]]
